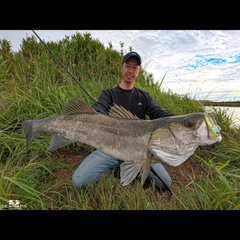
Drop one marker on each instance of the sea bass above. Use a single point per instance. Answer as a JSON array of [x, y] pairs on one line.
[[120, 134]]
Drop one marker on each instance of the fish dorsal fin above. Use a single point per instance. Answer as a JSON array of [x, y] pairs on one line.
[[76, 106], [120, 112]]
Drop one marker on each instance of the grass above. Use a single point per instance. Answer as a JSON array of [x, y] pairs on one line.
[[33, 85]]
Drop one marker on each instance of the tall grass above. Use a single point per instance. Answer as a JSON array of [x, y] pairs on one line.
[[34, 85]]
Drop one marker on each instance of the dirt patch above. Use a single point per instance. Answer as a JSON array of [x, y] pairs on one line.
[[188, 172]]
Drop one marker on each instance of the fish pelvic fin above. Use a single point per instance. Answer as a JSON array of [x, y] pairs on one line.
[[129, 171], [57, 142], [29, 132], [77, 106]]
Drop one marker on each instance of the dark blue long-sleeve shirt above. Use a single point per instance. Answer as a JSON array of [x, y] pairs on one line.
[[137, 101]]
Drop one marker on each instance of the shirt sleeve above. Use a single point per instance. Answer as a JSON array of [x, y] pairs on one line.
[[155, 111], [103, 102]]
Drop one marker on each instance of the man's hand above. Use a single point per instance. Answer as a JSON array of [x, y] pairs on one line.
[[80, 144]]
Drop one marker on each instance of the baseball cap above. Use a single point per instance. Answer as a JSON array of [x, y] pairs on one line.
[[132, 54]]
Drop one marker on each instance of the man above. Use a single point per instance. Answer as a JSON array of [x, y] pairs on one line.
[[137, 101]]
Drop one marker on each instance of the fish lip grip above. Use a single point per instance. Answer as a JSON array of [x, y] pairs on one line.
[[214, 129]]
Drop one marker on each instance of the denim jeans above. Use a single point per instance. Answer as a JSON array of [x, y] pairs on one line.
[[98, 163]]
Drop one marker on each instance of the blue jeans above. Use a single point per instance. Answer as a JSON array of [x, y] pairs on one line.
[[98, 163]]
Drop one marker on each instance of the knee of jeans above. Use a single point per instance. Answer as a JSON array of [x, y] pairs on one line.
[[76, 181]]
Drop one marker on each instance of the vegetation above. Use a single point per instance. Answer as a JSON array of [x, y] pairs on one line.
[[34, 85], [219, 103]]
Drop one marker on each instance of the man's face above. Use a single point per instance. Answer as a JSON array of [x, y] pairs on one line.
[[130, 70]]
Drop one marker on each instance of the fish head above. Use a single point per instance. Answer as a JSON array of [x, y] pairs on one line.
[[176, 139]]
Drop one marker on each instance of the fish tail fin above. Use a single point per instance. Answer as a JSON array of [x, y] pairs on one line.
[[29, 132]]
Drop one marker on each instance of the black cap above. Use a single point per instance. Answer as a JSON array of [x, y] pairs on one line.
[[132, 54]]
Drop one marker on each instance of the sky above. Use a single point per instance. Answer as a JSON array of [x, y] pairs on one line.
[[202, 64]]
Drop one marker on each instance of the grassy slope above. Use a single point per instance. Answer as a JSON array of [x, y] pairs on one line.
[[34, 85]]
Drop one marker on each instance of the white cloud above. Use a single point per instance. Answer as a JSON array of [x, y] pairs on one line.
[[204, 64]]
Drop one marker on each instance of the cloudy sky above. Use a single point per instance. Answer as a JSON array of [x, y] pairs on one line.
[[204, 64]]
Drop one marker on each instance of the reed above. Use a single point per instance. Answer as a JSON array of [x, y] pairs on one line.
[[34, 85]]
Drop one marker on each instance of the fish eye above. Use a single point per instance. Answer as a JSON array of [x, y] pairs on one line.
[[188, 123]]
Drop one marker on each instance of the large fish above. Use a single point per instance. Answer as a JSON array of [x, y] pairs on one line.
[[122, 135]]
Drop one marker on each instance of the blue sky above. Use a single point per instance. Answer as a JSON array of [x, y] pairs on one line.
[[204, 64]]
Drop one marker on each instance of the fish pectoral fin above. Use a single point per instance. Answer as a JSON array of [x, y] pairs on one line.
[[57, 142], [129, 171]]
